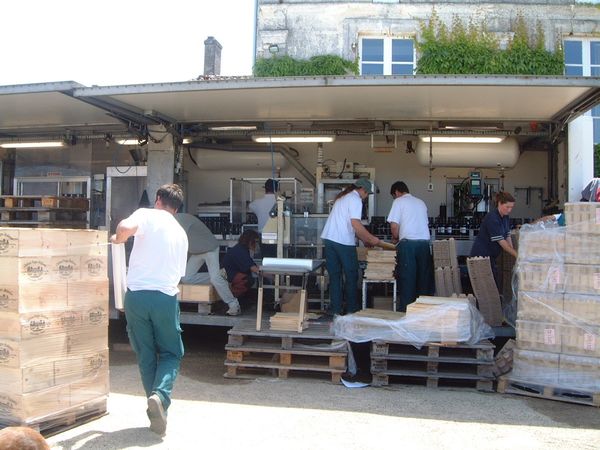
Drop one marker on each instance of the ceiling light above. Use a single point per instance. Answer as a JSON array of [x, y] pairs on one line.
[[40, 144], [292, 138], [128, 141], [464, 139], [234, 128], [186, 141]]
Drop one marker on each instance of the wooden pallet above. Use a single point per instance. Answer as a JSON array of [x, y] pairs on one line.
[[24, 201], [66, 419], [42, 214], [468, 364], [279, 353], [510, 385]]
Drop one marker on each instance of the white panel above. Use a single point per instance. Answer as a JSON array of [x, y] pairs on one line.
[[581, 155]]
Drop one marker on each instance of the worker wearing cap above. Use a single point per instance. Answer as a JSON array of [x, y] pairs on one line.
[[339, 235], [409, 224], [261, 207]]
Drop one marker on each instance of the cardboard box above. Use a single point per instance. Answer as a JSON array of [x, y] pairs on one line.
[[543, 367], [542, 277], [540, 307], [580, 340], [582, 279], [538, 336], [582, 308], [579, 372], [198, 293]]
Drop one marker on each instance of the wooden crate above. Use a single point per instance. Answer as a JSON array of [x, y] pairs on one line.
[[540, 336], [86, 292], [542, 277], [18, 354], [582, 308], [37, 269], [582, 279], [94, 267], [32, 297], [87, 243], [198, 293], [540, 306], [469, 364], [507, 384]]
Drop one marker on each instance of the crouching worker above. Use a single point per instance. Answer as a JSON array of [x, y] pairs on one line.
[[204, 248], [239, 265]]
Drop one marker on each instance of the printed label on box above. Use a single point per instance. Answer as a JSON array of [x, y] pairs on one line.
[[554, 276], [589, 342], [549, 336]]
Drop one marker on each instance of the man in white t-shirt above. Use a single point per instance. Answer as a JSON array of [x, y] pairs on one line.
[[409, 223], [261, 207], [156, 265]]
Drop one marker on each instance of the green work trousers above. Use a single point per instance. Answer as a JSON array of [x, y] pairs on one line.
[[414, 271], [155, 336]]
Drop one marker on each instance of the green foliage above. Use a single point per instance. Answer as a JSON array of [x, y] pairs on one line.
[[472, 49], [285, 66], [597, 161]]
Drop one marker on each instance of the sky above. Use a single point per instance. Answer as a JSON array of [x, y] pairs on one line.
[[113, 42]]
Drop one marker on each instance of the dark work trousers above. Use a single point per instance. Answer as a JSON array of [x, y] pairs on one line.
[[414, 271], [342, 266]]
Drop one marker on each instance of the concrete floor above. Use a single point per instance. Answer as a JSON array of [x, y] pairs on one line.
[[209, 411]]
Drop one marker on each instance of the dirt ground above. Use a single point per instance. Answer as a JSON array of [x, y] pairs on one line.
[[211, 411]]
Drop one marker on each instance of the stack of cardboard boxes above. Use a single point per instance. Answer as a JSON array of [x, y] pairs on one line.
[[558, 318], [53, 324]]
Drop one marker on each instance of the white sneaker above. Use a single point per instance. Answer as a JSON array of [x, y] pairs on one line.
[[234, 309], [157, 415]]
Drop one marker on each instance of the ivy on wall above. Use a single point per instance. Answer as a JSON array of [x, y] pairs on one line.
[[285, 66], [470, 49]]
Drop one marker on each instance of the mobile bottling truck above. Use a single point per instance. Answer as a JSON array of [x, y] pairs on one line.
[[453, 140]]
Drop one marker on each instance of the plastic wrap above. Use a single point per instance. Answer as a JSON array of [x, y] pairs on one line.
[[448, 322], [557, 286], [53, 325]]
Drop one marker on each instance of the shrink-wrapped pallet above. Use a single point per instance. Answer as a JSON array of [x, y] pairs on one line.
[[53, 325]]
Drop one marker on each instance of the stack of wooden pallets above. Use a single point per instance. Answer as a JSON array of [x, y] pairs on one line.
[[53, 326], [43, 211], [434, 364], [313, 352], [446, 269], [558, 318]]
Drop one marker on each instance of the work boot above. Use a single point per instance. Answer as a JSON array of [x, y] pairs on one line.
[[234, 309], [157, 415]]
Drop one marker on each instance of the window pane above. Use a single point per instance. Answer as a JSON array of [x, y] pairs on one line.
[[595, 71], [596, 131], [402, 50], [574, 70], [372, 49], [573, 52], [595, 52], [402, 69], [372, 69], [596, 111]]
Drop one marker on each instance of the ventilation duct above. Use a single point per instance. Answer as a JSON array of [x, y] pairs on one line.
[[452, 154]]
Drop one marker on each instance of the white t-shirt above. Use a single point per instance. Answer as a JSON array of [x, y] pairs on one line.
[[261, 207], [159, 254], [338, 227], [410, 213]]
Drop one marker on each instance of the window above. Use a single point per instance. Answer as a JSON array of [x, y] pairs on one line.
[[582, 58], [387, 56]]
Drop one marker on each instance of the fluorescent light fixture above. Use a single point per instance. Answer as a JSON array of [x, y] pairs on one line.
[[234, 128], [128, 141], [292, 138], [41, 144], [186, 141], [464, 139]]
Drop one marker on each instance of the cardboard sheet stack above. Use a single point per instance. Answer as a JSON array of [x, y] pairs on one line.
[[558, 326], [447, 271], [485, 289], [53, 324], [380, 264]]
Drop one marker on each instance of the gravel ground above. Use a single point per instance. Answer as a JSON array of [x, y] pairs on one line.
[[299, 413]]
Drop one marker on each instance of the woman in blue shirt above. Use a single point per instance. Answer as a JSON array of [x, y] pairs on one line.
[[494, 232]]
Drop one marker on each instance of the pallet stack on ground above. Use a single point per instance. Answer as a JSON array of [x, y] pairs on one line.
[[558, 318], [43, 211], [447, 271], [434, 364], [53, 326], [315, 351], [203, 297]]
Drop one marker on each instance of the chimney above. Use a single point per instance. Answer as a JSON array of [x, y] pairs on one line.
[[212, 56]]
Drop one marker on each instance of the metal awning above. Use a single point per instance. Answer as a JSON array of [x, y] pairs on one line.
[[306, 100]]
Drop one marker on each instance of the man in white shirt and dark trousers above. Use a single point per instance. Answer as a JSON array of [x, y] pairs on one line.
[[261, 207], [156, 265], [409, 223]]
